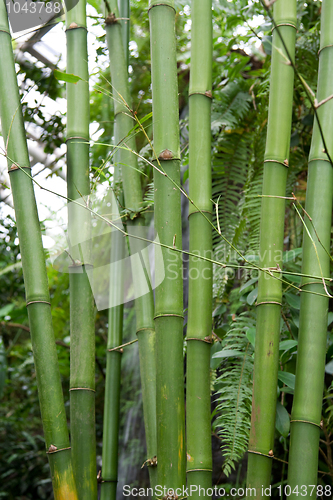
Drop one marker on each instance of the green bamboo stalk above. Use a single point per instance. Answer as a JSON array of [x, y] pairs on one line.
[[125, 14], [271, 248], [199, 326], [310, 368], [82, 328], [168, 295], [113, 364], [35, 277], [144, 304]]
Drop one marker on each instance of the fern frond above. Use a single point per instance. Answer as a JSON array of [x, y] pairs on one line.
[[234, 394]]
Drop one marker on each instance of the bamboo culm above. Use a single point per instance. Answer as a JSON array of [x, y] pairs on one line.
[[35, 277], [199, 326], [169, 294], [271, 246], [144, 304], [82, 327], [311, 351], [113, 359]]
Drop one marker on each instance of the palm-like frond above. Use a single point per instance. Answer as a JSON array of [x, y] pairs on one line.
[[234, 394]]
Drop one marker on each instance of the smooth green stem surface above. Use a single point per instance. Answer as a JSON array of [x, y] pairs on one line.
[[199, 326], [271, 248], [34, 271], [169, 294], [113, 367], [82, 325], [311, 351], [144, 303]]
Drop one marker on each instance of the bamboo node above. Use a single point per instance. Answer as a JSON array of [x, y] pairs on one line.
[[72, 26], [54, 449], [207, 340], [325, 47], [14, 167], [268, 302], [171, 495], [209, 94], [111, 19], [81, 389], [166, 155], [161, 5], [305, 422], [284, 24], [150, 462], [269, 455], [38, 302], [101, 480], [285, 163]]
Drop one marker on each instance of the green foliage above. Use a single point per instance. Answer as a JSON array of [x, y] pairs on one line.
[[234, 391]]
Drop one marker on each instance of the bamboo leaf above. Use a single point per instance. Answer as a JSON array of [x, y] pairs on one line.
[[248, 283], [329, 367], [251, 298], [251, 335], [4, 311], [293, 300], [3, 367], [287, 378], [329, 318], [227, 353], [65, 77], [285, 345], [282, 422], [10, 268], [291, 255]]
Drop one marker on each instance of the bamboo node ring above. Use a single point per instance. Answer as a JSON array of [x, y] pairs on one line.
[[171, 495], [199, 212], [199, 470], [166, 155], [116, 349], [5, 31], [306, 422], [111, 19], [168, 316], [268, 302], [207, 340], [77, 137], [284, 24], [161, 5], [326, 47], [38, 302], [74, 26], [207, 93], [150, 462], [101, 480], [81, 389], [285, 163], [269, 455], [54, 449]]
